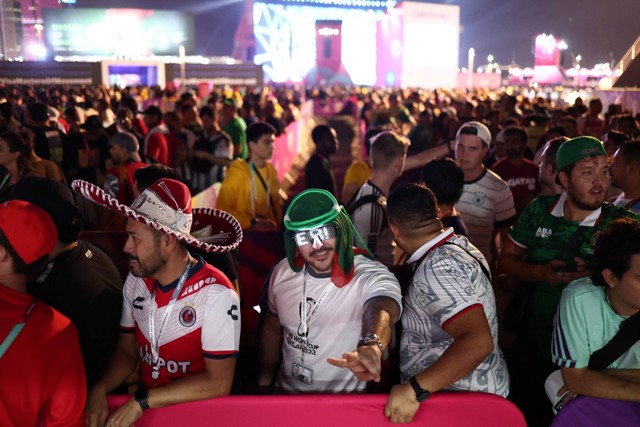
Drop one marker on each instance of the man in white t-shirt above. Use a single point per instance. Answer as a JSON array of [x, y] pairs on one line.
[[329, 307], [486, 204]]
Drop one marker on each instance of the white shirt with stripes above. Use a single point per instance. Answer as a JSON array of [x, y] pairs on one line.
[[485, 202]]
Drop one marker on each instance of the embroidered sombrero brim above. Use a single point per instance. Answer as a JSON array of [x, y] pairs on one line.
[[212, 230]]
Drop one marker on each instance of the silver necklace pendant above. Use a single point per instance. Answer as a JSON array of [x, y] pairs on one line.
[[156, 373]]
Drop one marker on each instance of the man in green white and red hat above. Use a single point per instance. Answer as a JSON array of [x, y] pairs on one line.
[[325, 300]]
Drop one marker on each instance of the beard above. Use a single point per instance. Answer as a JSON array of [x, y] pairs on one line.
[[147, 268], [321, 266], [581, 201]]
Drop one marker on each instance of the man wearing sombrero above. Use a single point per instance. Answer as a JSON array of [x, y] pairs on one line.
[[180, 316], [328, 307]]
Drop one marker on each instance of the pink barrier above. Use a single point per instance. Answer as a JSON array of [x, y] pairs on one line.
[[442, 409], [285, 148]]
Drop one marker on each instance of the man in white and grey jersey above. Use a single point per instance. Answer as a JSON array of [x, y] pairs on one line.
[[449, 324]]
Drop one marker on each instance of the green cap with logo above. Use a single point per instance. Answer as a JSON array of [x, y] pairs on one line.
[[578, 148]]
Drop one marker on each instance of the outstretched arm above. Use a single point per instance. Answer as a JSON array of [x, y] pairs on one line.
[[380, 314]]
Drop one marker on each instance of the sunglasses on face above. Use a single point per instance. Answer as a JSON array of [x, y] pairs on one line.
[[307, 237]]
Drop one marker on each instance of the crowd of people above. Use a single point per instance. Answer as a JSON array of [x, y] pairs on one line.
[[388, 278]]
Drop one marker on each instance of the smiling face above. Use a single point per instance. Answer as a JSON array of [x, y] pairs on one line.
[[319, 257], [588, 183]]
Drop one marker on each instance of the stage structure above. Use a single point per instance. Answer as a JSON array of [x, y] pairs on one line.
[[363, 42], [547, 54], [123, 47]]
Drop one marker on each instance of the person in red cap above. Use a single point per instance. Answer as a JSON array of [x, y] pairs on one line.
[[43, 380], [180, 316]]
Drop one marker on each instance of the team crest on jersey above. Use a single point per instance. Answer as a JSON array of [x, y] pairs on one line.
[[479, 199], [187, 316]]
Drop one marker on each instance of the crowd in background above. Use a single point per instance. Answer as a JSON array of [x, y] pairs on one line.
[[104, 135]]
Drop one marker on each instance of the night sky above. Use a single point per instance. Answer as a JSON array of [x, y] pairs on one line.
[[598, 30]]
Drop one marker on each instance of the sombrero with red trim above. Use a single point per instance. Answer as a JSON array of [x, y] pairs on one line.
[[166, 206]]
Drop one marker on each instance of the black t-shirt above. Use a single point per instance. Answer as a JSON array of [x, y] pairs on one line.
[[225, 262], [48, 143], [457, 224], [208, 144], [318, 174], [84, 285]]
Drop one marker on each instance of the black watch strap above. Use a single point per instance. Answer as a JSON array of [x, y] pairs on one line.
[[141, 397], [421, 394]]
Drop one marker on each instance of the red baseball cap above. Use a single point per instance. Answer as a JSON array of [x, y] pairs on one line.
[[29, 229]]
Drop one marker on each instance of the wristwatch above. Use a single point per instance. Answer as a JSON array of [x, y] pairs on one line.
[[369, 339], [421, 394], [141, 397]]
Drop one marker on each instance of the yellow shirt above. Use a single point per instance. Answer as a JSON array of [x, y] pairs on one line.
[[357, 174], [243, 195]]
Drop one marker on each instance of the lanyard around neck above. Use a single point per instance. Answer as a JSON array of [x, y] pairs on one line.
[[306, 318], [17, 328], [155, 338], [254, 190]]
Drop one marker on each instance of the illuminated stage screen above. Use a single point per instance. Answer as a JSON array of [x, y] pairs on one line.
[[286, 41], [133, 75], [413, 44], [120, 32]]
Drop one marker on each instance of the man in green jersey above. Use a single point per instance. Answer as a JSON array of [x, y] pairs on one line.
[[551, 245]]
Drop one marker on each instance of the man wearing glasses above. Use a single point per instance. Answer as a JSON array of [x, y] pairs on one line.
[[329, 306]]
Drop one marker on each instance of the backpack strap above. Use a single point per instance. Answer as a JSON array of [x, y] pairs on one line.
[[354, 205], [627, 336], [482, 267]]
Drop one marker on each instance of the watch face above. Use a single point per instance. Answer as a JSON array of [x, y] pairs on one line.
[[421, 394], [421, 397]]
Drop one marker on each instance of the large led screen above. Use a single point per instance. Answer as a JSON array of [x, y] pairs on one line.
[[413, 44], [120, 32], [123, 75], [286, 40]]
